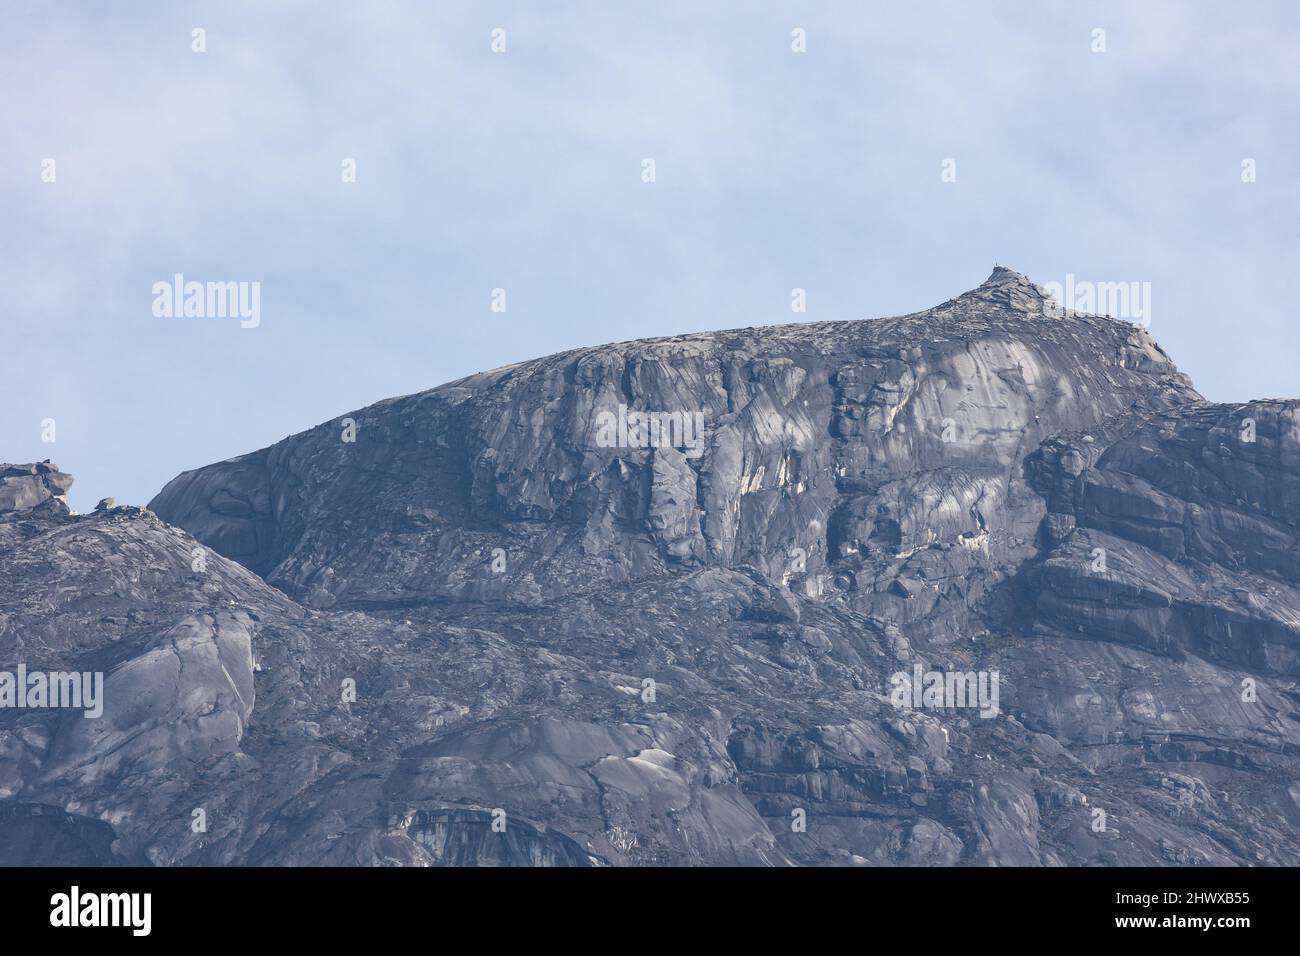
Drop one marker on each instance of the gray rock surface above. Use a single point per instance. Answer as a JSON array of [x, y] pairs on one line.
[[483, 633], [39, 485]]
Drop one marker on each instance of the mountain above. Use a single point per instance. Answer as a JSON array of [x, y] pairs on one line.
[[685, 601]]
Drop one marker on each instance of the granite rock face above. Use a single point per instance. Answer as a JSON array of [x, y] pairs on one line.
[[651, 603], [39, 485]]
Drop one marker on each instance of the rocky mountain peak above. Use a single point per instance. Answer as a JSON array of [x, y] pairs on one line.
[[1010, 289], [37, 485], [795, 432], [653, 601]]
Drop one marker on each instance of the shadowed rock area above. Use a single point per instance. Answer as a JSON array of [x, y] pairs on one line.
[[534, 617]]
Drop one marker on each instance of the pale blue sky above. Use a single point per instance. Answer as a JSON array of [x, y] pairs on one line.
[[522, 170]]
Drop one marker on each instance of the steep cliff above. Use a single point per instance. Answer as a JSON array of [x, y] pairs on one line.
[[651, 603]]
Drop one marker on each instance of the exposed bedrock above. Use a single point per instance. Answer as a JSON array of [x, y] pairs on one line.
[[663, 602]]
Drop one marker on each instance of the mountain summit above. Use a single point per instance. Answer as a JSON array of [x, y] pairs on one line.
[[1009, 288], [985, 584]]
